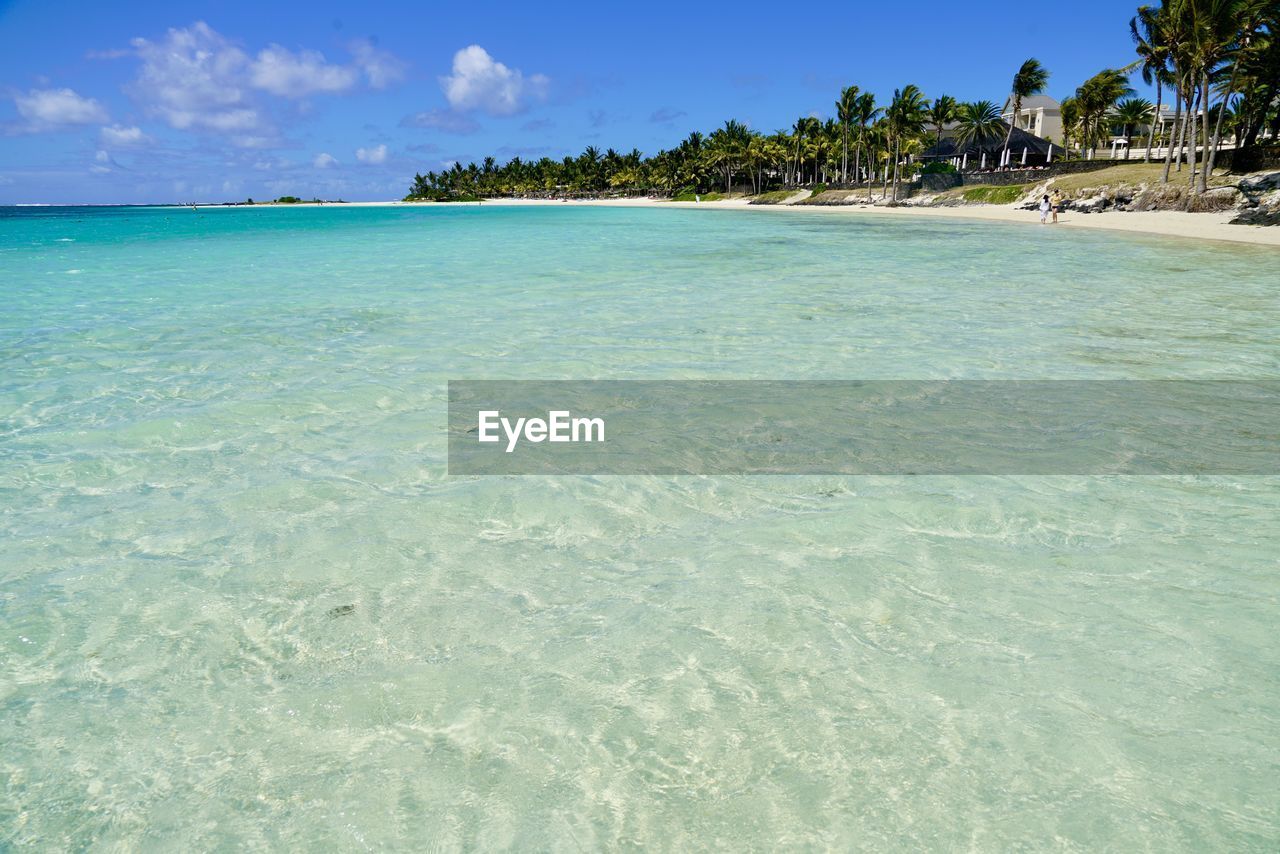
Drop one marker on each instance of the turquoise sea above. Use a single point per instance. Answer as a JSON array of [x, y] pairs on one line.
[[243, 606]]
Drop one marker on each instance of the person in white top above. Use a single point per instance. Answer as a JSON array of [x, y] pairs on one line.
[[1044, 209]]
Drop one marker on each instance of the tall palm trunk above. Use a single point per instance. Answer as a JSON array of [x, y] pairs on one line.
[[1013, 119], [1181, 157], [1151, 129], [871, 173], [844, 163], [896, 153], [1191, 136], [1173, 132], [1217, 128], [1203, 183]]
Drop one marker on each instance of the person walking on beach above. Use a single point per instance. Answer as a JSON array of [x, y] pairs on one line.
[[1054, 204], [1044, 209]]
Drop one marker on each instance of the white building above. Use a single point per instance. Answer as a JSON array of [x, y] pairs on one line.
[[1039, 114]]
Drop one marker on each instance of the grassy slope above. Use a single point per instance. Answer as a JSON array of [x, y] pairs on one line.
[[774, 197], [1136, 172], [1132, 174], [994, 195]]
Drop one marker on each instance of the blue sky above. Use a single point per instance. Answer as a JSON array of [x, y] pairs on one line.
[[171, 101]]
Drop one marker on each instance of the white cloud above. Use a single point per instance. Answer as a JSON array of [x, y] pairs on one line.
[[103, 163], [377, 154], [296, 75], [117, 135], [49, 109], [324, 160], [380, 68], [479, 82], [194, 78]]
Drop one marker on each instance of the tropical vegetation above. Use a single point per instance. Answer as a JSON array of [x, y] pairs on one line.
[[1217, 62]]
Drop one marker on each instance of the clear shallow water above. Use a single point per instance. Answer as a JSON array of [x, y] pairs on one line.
[[218, 427]]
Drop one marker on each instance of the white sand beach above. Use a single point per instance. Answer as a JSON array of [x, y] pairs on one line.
[[1207, 226]]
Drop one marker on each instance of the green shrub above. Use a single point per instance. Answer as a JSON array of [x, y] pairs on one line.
[[819, 188], [938, 167]]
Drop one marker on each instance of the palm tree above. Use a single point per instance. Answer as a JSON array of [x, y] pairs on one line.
[[1070, 109], [978, 123], [942, 111], [727, 148], [844, 114], [804, 126], [1130, 113], [1214, 26], [1096, 97], [691, 168], [865, 112], [1251, 17], [1030, 80], [1153, 56], [877, 144], [906, 119], [827, 150], [1171, 31], [761, 152]]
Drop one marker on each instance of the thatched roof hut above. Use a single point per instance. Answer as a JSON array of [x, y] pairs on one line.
[[1037, 149]]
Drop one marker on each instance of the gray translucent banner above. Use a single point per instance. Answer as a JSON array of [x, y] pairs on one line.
[[1225, 427]]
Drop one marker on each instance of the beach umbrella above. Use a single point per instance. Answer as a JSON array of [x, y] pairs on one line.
[[964, 161], [1049, 158], [984, 161], [1024, 155]]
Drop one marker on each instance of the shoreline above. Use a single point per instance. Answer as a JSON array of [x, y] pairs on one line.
[[1203, 226]]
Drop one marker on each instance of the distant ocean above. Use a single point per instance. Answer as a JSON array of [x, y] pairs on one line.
[[243, 605]]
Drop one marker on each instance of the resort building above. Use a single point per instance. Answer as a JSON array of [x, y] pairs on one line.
[[1161, 125], [980, 155], [1039, 115]]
